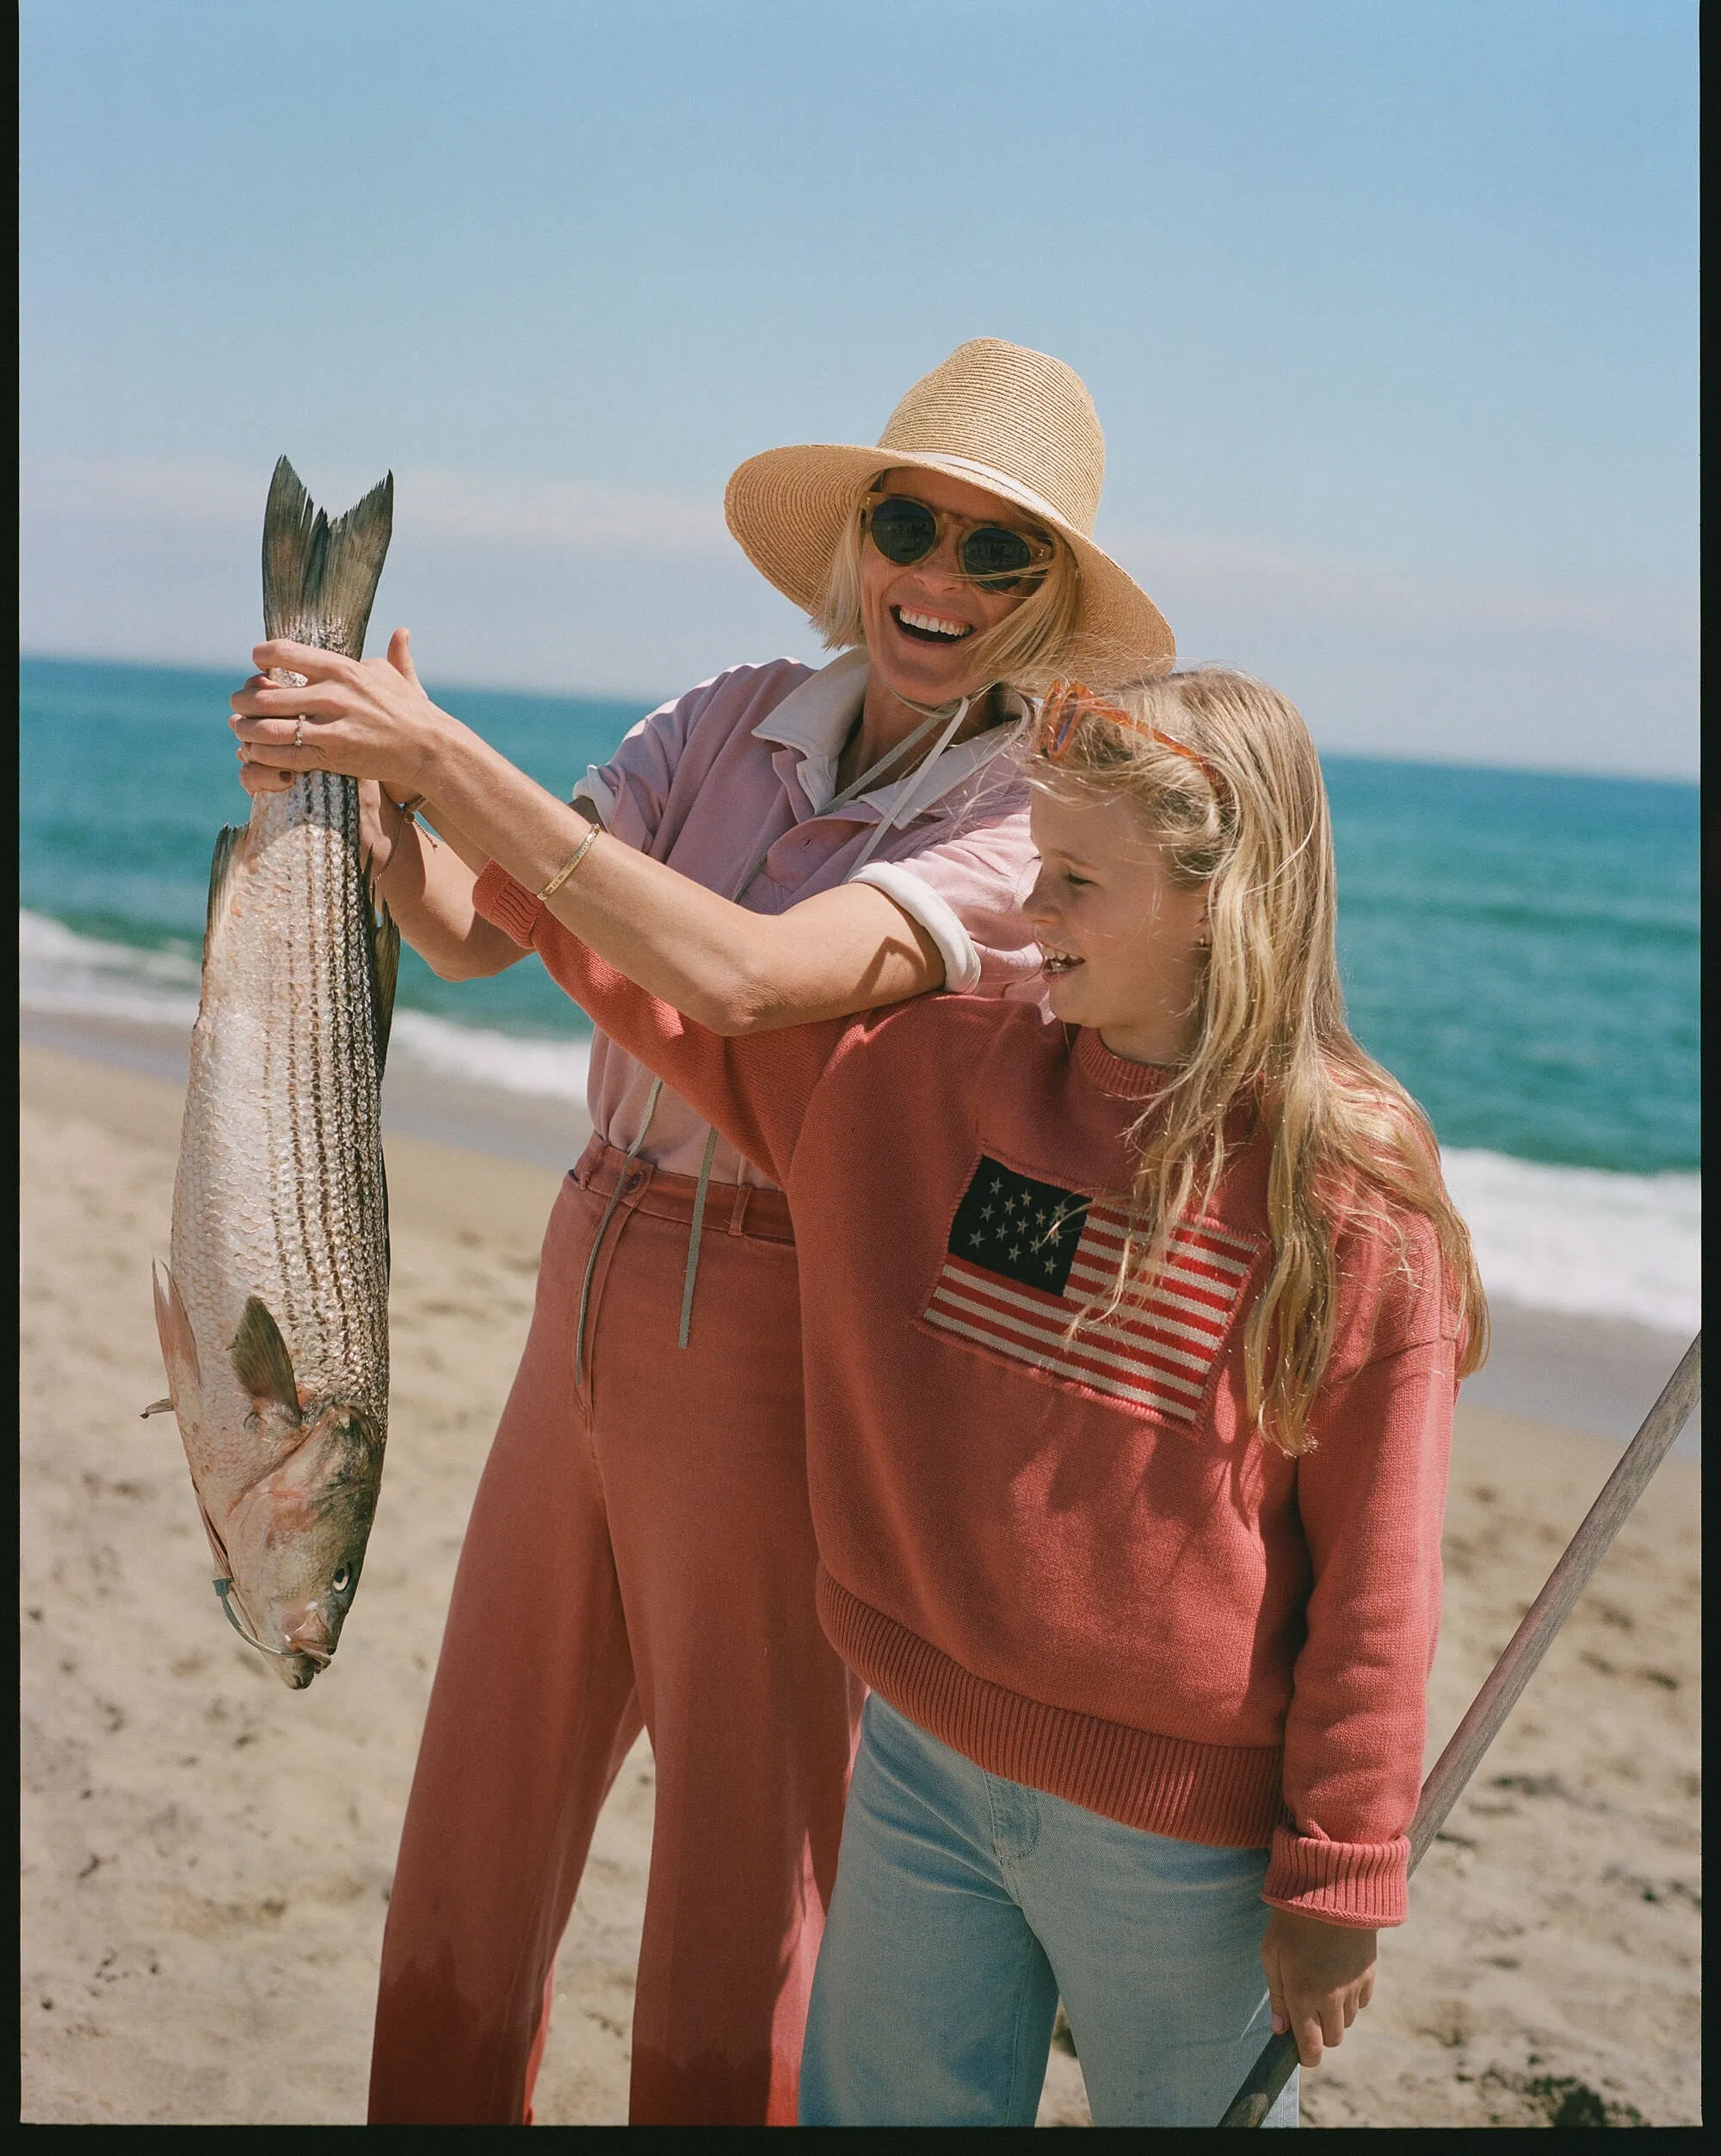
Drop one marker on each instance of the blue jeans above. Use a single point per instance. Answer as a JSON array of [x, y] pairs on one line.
[[966, 1905]]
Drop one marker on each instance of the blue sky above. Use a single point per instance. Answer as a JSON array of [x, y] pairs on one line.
[[1389, 308]]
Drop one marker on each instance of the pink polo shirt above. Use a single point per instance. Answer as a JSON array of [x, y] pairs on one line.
[[731, 784]]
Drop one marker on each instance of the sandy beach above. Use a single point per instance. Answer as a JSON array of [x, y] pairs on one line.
[[206, 1856]]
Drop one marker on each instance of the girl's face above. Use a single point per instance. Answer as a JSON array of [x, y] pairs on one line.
[[919, 620], [1121, 941]]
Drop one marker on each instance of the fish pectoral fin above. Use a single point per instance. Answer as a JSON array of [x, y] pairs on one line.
[[156, 1407], [262, 1363], [178, 1347]]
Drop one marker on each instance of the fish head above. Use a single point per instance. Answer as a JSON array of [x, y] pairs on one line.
[[296, 1541]]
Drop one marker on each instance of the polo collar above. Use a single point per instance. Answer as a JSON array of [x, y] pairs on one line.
[[813, 720]]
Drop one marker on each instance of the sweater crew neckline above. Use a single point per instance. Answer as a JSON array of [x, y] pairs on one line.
[[1115, 1075]]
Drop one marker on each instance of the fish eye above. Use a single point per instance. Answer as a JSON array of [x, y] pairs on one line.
[[342, 1580]]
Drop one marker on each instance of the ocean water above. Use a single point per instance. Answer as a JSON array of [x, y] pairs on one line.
[[1520, 948]]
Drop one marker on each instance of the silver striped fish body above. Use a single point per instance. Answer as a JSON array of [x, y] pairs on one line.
[[274, 1314]]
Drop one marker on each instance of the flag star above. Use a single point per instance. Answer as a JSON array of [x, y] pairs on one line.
[[977, 1238], [996, 1186], [985, 1212], [1015, 1251], [1042, 1221]]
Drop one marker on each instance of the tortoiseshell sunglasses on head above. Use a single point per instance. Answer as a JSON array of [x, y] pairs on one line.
[[1066, 704]]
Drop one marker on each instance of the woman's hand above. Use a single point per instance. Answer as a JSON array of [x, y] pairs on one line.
[[1319, 1978], [369, 718]]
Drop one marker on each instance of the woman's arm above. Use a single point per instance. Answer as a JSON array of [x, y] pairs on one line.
[[756, 1091], [734, 971]]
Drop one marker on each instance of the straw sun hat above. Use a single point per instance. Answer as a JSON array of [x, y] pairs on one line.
[[1012, 421]]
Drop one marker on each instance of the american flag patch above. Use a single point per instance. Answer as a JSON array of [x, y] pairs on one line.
[[1025, 1257]]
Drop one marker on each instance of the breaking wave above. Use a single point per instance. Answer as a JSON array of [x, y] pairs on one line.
[[1582, 1241]]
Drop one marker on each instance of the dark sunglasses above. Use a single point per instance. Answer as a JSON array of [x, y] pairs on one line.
[[993, 556]]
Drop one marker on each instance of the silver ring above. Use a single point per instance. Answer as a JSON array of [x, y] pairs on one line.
[[298, 733]]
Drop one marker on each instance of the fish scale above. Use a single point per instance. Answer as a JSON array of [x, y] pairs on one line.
[[274, 1309], [290, 1073]]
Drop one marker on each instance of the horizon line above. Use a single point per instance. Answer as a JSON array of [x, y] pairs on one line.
[[648, 703]]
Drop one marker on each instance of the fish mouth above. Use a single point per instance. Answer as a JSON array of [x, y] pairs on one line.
[[297, 1662]]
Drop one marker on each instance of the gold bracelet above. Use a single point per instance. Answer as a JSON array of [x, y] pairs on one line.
[[569, 866]]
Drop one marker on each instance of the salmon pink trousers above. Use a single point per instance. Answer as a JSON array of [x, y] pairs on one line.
[[640, 1553]]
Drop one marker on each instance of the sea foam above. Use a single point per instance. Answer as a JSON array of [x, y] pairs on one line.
[[61, 972], [1582, 1241]]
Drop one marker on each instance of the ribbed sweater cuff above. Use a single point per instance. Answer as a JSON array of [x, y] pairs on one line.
[[514, 909], [1365, 1884]]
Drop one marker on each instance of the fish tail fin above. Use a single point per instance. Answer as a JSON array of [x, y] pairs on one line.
[[320, 580]]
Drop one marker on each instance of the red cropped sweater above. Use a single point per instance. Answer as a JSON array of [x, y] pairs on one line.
[[1069, 1558]]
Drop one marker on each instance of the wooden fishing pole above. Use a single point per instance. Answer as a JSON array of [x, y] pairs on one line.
[[1511, 1673]]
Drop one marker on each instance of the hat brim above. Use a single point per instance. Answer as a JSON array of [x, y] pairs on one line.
[[787, 509]]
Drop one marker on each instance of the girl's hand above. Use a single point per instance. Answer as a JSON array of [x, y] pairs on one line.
[[1319, 1978], [369, 718]]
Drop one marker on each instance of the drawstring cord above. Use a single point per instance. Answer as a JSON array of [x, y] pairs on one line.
[[913, 788], [869, 777], [693, 1237], [609, 1213]]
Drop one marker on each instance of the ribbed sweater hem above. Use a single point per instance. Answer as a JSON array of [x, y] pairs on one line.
[[1225, 1796]]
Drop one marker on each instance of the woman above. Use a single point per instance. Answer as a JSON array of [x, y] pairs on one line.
[[798, 846]]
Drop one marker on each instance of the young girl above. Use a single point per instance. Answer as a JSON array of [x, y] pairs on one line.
[[1130, 1346]]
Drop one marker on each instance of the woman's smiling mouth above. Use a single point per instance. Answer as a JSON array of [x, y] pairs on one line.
[[1056, 962], [930, 628]]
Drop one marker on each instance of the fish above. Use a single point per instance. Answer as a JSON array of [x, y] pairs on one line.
[[273, 1306]]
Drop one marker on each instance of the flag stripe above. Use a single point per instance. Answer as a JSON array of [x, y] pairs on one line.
[[1157, 1353], [1097, 1381], [1088, 1346], [1052, 1321]]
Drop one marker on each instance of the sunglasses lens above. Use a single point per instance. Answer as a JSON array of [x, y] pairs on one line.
[[904, 531], [996, 558]]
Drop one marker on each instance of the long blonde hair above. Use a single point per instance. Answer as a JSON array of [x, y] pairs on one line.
[[1029, 647], [1350, 1146]]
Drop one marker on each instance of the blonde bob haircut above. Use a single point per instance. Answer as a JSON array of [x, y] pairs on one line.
[[1351, 1151], [1027, 649]]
